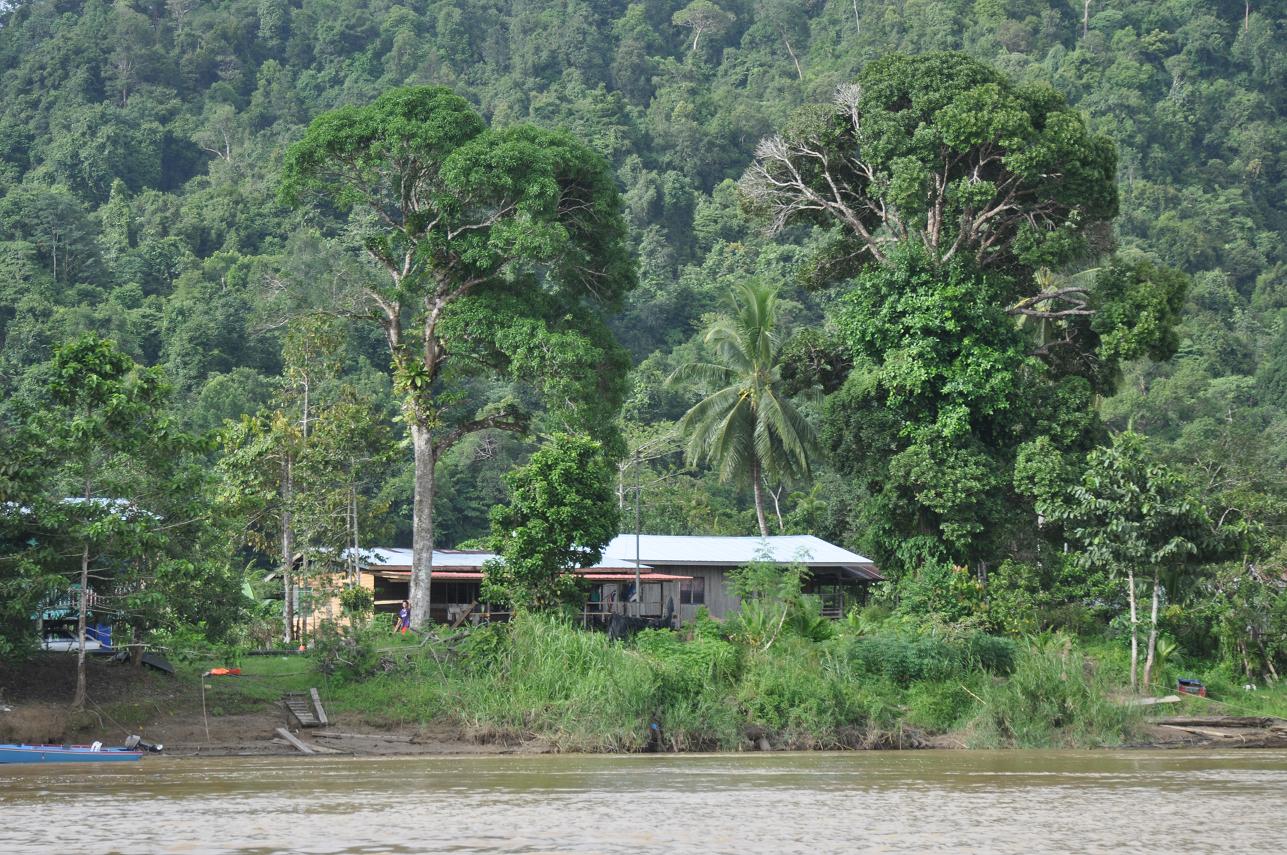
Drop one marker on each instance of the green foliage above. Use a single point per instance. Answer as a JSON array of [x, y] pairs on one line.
[[117, 506], [498, 247], [355, 652], [688, 667], [560, 515], [540, 677], [789, 694], [929, 419], [1134, 517], [140, 157], [943, 151], [357, 602]]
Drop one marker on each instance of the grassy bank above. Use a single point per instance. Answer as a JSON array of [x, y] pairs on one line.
[[541, 682], [717, 688]]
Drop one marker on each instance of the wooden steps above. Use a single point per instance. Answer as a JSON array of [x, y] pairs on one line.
[[306, 708]]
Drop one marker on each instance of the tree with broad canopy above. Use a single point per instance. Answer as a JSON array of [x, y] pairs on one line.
[[942, 150], [499, 252]]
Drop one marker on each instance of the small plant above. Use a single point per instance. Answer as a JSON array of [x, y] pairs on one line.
[[357, 602]]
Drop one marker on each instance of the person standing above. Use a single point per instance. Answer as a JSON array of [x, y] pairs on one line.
[[404, 618]]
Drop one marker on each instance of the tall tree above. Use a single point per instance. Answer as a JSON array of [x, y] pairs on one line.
[[748, 428], [942, 150], [124, 494], [518, 228], [948, 195], [702, 16]]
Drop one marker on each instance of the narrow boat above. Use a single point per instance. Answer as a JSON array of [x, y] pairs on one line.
[[11, 753]]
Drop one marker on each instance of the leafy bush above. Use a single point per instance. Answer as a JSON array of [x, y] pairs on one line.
[[789, 694], [938, 706], [904, 660], [357, 602], [484, 647], [351, 653], [699, 662], [991, 653]]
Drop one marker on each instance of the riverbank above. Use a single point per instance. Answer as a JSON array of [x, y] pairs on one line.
[[540, 686]]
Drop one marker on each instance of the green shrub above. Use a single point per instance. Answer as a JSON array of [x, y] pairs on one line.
[[991, 653], [484, 647], [904, 660], [357, 602], [699, 662], [352, 652], [577, 688], [938, 707], [791, 695], [705, 626]]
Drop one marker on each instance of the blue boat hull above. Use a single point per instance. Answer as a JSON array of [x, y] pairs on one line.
[[64, 754]]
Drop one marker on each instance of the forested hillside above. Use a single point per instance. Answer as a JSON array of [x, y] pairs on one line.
[[141, 153]]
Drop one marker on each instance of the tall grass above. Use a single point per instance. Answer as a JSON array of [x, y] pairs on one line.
[[543, 678], [1055, 697]]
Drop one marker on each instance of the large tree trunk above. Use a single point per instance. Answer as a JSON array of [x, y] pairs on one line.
[[759, 496], [422, 529], [78, 701], [288, 553], [1152, 636], [356, 570], [1135, 640], [136, 648]]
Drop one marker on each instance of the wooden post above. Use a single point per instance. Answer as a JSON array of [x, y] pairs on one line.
[[317, 705]]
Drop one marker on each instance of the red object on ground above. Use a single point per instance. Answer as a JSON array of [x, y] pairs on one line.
[[224, 672]]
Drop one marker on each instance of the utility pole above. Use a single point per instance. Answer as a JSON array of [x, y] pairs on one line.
[[638, 500]]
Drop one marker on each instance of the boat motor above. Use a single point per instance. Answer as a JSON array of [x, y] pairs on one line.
[[138, 742]]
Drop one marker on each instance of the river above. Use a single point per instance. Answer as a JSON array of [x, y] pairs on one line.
[[962, 801]]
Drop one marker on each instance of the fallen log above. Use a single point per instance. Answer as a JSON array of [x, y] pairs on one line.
[[317, 749], [1238, 737], [293, 740], [1224, 721]]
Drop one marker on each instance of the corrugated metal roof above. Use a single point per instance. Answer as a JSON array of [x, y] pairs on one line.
[[592, 574], [661, 549], [462, 560], [444, 558]]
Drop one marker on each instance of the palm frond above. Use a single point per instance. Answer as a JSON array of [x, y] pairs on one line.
[[706, 373]]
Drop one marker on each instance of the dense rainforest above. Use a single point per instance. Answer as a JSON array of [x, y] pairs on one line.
[[974, 427]]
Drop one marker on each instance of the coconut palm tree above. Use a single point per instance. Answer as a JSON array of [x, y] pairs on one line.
[[748, 428]]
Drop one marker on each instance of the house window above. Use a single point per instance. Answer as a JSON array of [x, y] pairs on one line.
[[692, 592]]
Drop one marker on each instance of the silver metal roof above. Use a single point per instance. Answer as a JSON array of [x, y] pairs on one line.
[[384, 557], [658, 550], [456, 559], [662, 549]]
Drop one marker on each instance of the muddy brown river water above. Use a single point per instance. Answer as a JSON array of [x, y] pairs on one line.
[[957, 801]]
